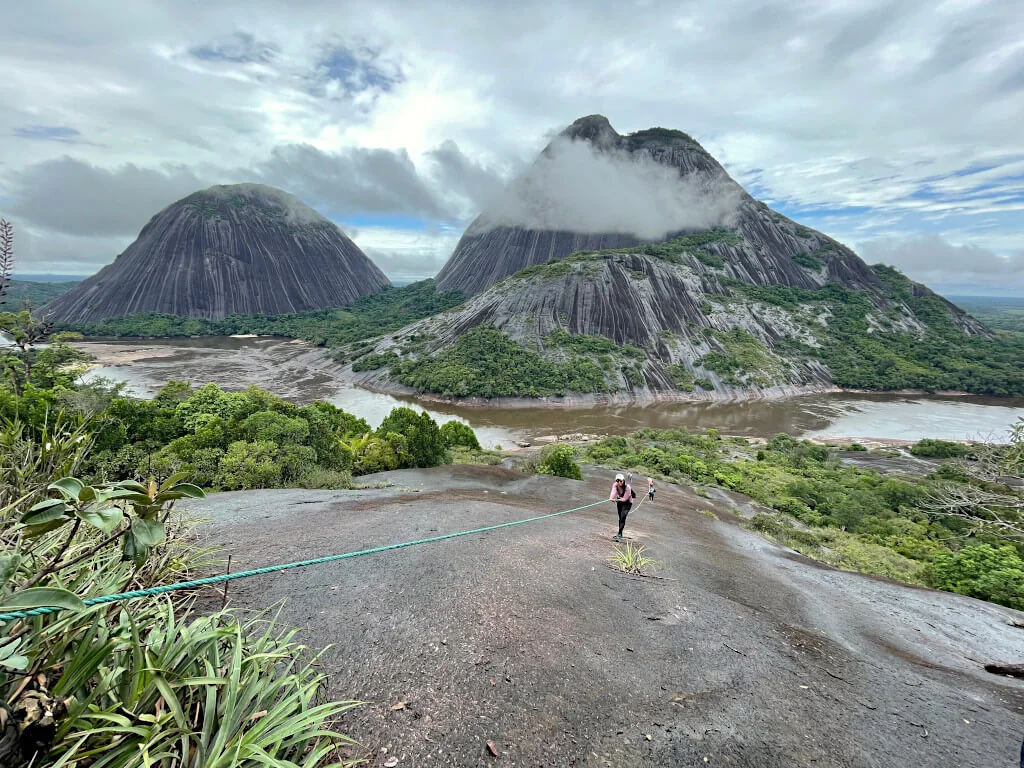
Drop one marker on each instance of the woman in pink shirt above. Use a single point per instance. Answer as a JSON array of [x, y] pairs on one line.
[[622, 495]]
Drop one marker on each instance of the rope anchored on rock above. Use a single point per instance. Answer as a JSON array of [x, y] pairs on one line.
[[194, 583]]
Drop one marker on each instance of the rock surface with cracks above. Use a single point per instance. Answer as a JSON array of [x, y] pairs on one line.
[[242, 249], [493, 248], [744, 652]]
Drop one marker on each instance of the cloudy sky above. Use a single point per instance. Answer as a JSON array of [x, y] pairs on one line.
[[894, 126]]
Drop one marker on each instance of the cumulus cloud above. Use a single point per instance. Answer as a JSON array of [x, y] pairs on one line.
[[356, 180], [932, 260], [74, 197], [577, 187], [904, 112]]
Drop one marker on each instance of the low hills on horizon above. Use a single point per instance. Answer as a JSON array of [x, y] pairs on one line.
[[615, 265]]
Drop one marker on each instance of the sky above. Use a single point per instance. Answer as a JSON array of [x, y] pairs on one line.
[[893, 126]]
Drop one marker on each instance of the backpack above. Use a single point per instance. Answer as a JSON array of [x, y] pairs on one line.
[[632, 493]]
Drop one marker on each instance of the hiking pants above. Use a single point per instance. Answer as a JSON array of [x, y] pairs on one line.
[[624, 507]]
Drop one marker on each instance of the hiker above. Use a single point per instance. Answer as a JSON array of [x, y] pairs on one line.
[[623, 497], [650, 488]]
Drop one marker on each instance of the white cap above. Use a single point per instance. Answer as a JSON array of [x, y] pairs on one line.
[[620, 476]]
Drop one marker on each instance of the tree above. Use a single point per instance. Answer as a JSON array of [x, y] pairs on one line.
[[25, 331], [559, 460], [425, 444], [456, 433], [987, 494]]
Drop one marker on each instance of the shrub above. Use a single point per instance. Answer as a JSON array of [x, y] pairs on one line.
[[808, 260], [375, 361], [249, 465], [939, 449], [982, 571], [681, 377], [559, 460], [383, 453], [455, 433], [424, 441], [326, 479]]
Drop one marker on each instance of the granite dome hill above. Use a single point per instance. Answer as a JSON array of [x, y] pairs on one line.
[[644, 187], [240, 249], [731, 299]]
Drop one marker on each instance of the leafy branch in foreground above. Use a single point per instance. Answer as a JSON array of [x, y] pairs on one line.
[[113, 684]]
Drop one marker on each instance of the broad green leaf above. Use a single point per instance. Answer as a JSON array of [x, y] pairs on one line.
[[39, 597], [149, 533], [132, 485], [56, 512], [8, 565], [69, 486], [46, 504], [138, 499], [87, 494], [34, 531], [106, 518], [173, 480], [8, 648], [133, 549], [187, 489], [120, 493], [15, 662]]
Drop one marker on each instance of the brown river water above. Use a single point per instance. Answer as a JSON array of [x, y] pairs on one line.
[[294, 371]]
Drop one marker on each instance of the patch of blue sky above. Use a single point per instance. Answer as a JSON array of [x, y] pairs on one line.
[[356, 72], [389, 221], [239, 49], [61, 133]]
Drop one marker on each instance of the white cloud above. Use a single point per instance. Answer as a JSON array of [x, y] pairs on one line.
[[935, 262], [406, 255], [839, 112], [578, 188]]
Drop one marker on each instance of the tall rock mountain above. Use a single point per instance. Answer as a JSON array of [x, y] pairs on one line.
[[239, 249], [506, 238], [750, 303]]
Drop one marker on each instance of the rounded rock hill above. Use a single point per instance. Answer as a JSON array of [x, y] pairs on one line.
[[238, 249]]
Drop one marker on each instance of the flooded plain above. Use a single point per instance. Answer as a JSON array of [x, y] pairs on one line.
[[297, 372]]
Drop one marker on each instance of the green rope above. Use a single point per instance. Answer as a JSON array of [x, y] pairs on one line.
[[116, 598]]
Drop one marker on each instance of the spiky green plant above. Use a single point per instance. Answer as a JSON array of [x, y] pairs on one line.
[[630, 559]]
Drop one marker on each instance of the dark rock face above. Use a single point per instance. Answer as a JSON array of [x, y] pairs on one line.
[[241, 249], [674, 310], [488, 252]]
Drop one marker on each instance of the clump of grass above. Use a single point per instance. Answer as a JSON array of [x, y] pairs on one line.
[[702, 492], [461, 455], [630, 559], [708, 513], [327, 479]]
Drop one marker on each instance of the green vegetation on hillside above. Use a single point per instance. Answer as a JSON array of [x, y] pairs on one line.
[[863, 357], [33, 293], [744, 361], [584, 344], [851, 517], [484, 362], [808, 260], [367, 317]]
